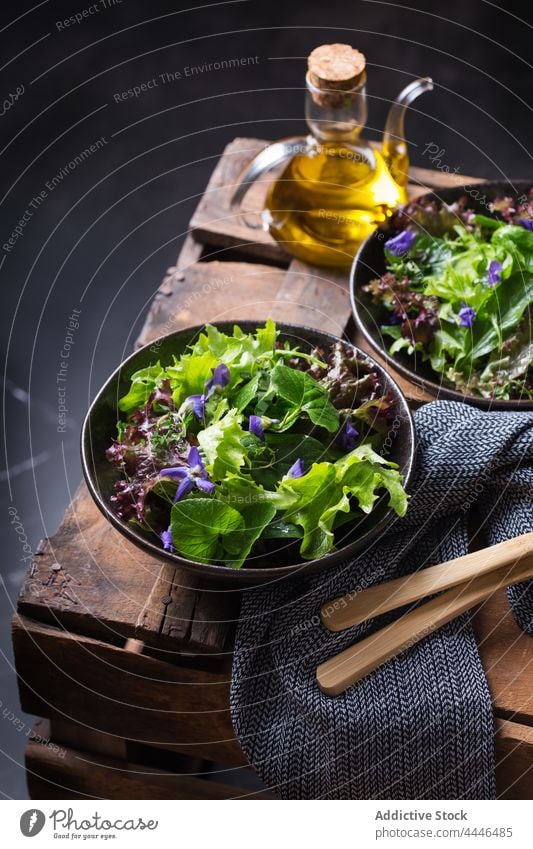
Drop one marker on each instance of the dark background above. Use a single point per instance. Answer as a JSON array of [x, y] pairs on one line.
[[115, 223]]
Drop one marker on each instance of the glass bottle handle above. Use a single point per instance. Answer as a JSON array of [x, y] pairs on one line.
[[270, 157]]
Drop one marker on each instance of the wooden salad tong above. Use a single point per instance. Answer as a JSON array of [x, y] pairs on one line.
[[462, 582]]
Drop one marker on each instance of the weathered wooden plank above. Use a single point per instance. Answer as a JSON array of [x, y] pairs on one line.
[[65, 676], [91, 580], [214, 223], [77, 737], [187, 709], [213, 621], [168, 610], [514, 760], [507, 656], [76, 774], [88, 576], [237, 291], [180, 612]]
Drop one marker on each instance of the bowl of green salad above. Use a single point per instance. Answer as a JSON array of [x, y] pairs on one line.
[[247, 453], [444, 293]]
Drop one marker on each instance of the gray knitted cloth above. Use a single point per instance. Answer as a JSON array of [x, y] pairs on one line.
[[420, 727]]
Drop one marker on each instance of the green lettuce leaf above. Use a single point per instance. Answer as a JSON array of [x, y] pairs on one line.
[[315, 500], [189, 374], [240, 542], [240, 491], [200, 527], [143, 383], [508, 304], [240, 350], [246, 394], [303, 395], [306, 500], [222, 445]]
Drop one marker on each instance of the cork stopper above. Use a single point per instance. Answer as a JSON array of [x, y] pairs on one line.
[[334, 70]]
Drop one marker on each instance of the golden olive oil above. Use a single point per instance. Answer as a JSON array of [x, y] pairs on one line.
[[327, 201], [333, 188]]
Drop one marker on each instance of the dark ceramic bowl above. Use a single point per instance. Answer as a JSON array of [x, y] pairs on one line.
[[370, 263], [99, 429]]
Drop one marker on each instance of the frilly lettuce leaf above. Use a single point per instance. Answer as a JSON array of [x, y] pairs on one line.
[[188, 375], [240, 350], [314, 501], [143, 383], [222, 445]]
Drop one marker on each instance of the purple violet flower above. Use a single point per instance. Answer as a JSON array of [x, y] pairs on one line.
[[297, 469], [220, 378], [196, 403], [255, 426], [466, 315], [166, 539], [495, 272], [347, 436], [191, 476], [401, 244], [527, 223]]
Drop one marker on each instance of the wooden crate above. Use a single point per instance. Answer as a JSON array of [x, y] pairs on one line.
[[127, 660]]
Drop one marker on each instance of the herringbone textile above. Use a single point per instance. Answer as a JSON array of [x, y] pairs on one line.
[[420, 727]]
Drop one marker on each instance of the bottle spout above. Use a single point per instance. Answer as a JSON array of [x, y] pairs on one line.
[[394, 148]]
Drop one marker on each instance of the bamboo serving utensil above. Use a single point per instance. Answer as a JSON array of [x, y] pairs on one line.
[[512, 563], [354, 608]]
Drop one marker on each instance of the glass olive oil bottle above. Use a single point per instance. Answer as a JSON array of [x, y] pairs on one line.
[[336, 188]]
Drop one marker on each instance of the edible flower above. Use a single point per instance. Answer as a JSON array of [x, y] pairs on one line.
[[401, 244], [220, 378], [466, 315], [347, 436], [495, 272], [196, 403], [191, 476], [166, 539], [297, 469], [527, 223], [255, 426]]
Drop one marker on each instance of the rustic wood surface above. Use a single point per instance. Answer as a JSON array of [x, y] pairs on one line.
[[61, 772], [90, 579], [89, 589], [233, 291], [104, 688], [183, 710], [216, 225], [197, 618]]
